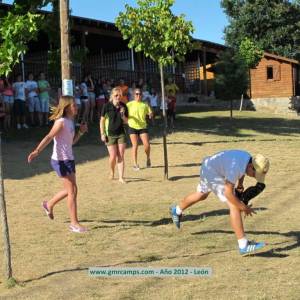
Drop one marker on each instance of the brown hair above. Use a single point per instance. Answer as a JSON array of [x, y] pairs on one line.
[[60, 110]]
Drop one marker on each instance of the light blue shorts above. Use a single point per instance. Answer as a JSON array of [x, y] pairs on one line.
[[44, 104], [8, 99], [34, 104]]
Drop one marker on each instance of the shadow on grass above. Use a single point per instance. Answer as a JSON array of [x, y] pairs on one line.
[[175, 178], [17, 144], [295, 235], [139, 260], [165, 221]]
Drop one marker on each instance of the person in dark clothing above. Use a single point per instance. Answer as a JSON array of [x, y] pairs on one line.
[[113, 117]]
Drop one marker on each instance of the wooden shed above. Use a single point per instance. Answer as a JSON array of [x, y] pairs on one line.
[[275, 77]]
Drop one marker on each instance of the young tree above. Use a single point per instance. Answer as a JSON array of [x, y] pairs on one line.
[[153, 29], [273, 25], [251, 55], [231, 77]]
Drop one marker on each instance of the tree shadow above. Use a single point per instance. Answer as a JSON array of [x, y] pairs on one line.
[[165, 221], [17, 144], [139, 260], [175, 178], [295, 235], [220, 125]]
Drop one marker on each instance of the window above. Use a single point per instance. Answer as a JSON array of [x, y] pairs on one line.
[[273, 72], [269, 72]]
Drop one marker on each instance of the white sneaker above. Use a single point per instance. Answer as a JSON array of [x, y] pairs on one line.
[[25, 126], [18, 126], [136, 168]]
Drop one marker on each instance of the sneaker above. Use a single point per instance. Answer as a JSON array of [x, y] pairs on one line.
[[25, 126], [18, 126], [47, 211], [136, 168], [252, 247], [176, 218], [148, 163], [77, 229]]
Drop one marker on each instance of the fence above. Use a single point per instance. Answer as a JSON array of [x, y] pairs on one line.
[[115, 66]]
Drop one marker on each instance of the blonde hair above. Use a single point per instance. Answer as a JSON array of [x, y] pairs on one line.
[[113, 91], [59, 111]]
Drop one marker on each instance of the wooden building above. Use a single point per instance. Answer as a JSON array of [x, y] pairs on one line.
[[275, 77], [109, 57]]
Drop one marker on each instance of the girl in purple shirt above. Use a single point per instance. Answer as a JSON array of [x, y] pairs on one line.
[[62, 159]]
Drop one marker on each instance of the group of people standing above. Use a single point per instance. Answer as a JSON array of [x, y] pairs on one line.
[[21, 99], [91, 94]]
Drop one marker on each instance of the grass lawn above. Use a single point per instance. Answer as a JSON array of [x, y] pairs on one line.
[[129, 225]]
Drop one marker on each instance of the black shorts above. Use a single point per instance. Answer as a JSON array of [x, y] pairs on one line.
[[20, 107], [171, 113], [137, 131]]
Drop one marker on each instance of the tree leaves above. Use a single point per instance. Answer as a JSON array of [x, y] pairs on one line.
[[152, 28], [273, 25], [15, 32], [231, 76], [250, 53]]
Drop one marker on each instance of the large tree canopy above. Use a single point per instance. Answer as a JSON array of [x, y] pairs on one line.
[[274, 25]]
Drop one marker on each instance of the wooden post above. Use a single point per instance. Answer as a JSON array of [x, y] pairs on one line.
[[166, 171], [4, 223], [64, 38], [23, 67], [204, 72], [199, 69], [132, 59]]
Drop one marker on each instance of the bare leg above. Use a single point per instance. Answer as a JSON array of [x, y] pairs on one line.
[[192, 199], [86, 110], [134, 142], [40, 118], [71, 188], [31, 118], [120, 160], [112, 150], [55, 199], [145, 140], [236, 221], [92, 108]]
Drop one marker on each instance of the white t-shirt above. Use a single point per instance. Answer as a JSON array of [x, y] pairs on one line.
[[153, 100], [229, 164], [31, 86], [146, 96], [19, 90], [84, 89]]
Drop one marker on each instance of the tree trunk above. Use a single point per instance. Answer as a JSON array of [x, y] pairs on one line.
[[4, 223], [165, 122]]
